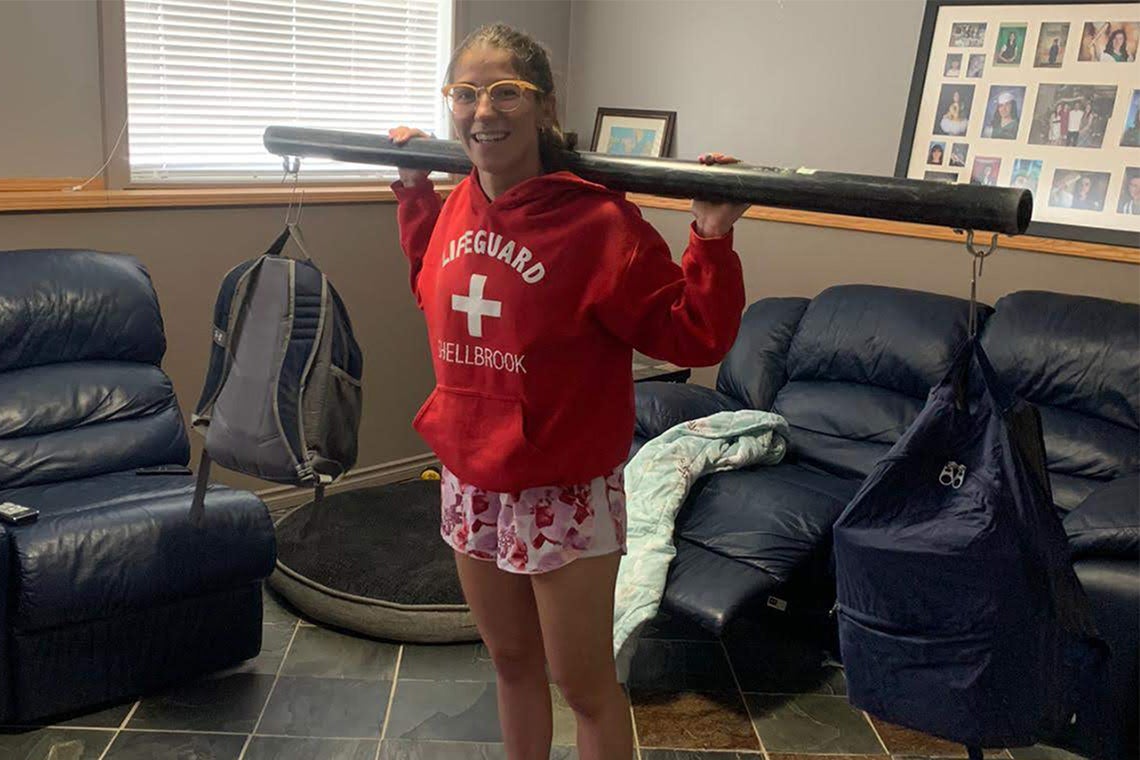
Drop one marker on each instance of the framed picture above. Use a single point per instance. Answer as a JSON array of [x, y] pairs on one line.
[[633, 132], [1039, 94]]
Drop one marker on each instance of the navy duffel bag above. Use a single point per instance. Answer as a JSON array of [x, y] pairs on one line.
[[959, 611]]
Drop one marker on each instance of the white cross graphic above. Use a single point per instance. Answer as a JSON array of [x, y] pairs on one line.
[[476, 306]]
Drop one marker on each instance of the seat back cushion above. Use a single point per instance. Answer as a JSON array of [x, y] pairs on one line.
[[860, 365], [81, 390], [754, 370], [1077, 359]]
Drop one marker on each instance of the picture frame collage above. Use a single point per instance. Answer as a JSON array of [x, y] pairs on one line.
[[1040, 95]]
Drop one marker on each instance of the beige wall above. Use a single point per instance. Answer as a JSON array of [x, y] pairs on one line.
[[818, 83], [50, 120]]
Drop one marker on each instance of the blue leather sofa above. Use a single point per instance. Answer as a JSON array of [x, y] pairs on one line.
[[850, 370], [112, 591]]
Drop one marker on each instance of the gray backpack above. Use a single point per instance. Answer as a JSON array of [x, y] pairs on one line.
[[282, 397]]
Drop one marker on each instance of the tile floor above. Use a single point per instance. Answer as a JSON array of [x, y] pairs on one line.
[[316, 694]]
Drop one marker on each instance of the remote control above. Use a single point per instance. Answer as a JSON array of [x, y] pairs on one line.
[[17, 514], [165, 469]]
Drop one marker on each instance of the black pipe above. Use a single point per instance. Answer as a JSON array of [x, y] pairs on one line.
[[976, 207]]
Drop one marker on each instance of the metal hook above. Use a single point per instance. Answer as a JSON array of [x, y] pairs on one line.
[[979, 257], [292, 165]]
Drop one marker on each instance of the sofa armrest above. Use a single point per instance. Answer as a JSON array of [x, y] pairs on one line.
[[1107, 523], [661, 405]]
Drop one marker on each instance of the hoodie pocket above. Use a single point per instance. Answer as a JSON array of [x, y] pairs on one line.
[[480, 433]]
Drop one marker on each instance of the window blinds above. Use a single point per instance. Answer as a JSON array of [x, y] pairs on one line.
[[205, 77]]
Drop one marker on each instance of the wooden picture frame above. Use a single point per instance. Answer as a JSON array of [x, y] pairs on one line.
[[1005, 120], [633, 132]]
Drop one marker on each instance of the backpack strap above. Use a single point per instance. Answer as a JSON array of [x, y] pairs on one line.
[[198, 503], [228, 312]]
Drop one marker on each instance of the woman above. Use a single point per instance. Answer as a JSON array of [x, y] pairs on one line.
[[1008, 54], [1005, 121], [1116, 49], [536, 287]]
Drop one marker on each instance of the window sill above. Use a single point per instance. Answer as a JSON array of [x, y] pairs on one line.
[[182, 197]]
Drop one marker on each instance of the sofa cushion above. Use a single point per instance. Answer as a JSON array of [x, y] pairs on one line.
[[661, 405], [78, 419], [710, 588], [1107, 523], [76, 305], [772, 518], [117, 543], [754, 369], [902, 340], [1072, 352], [1076, 359]]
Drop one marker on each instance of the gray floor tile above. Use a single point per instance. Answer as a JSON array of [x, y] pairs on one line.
[[162, 746], [401, 749], [226, 702], [277, 748], [275, 639], [680, 666], [443, 711], [447, 662], [276, 609], [812, 724], [54, 744], [322, 653], [326, 707]]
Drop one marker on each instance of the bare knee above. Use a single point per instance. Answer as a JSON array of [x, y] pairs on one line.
[[589, 695], [516, 663]]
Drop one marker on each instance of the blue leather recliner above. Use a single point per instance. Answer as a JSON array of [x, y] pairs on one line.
[[113, 590], [850, 370]]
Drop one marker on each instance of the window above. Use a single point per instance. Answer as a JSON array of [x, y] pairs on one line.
[[205, 77]]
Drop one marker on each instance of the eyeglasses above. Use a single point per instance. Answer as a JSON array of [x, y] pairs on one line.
[[506, 95]]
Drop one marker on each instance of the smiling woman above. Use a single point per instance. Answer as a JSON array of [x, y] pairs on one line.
[[533, 448]]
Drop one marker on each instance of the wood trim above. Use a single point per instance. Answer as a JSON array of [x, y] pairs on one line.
[[183, 197], [46, 184], [858, 224], [90, 200]]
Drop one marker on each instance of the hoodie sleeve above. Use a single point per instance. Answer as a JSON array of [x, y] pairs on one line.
[[417, 210], [687, 314]]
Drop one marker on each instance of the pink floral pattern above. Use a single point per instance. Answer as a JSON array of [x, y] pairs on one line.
[[536, 530]]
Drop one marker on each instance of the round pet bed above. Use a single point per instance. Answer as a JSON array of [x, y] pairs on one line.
[[372, 561]]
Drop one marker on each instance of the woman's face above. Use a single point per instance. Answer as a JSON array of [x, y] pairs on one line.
[[1085, 186], [1116, 39], [1005, 108], [496, 142], [936, 155]]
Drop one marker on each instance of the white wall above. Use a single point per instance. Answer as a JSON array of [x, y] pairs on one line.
[[818, 83]]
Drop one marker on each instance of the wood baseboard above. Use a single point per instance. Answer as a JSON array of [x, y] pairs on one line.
[[282, 499]]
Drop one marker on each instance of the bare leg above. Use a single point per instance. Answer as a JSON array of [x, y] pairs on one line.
[[575, 607], [504, 610]]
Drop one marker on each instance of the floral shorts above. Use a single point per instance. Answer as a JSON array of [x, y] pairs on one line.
[[538, 529]]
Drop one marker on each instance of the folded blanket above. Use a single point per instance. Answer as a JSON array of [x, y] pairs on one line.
[[657, 481]]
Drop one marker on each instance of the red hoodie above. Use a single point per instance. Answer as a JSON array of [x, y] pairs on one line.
[[534, 304]]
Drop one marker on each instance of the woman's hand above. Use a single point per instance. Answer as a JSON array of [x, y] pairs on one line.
[[400, 135], [716, 219]]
